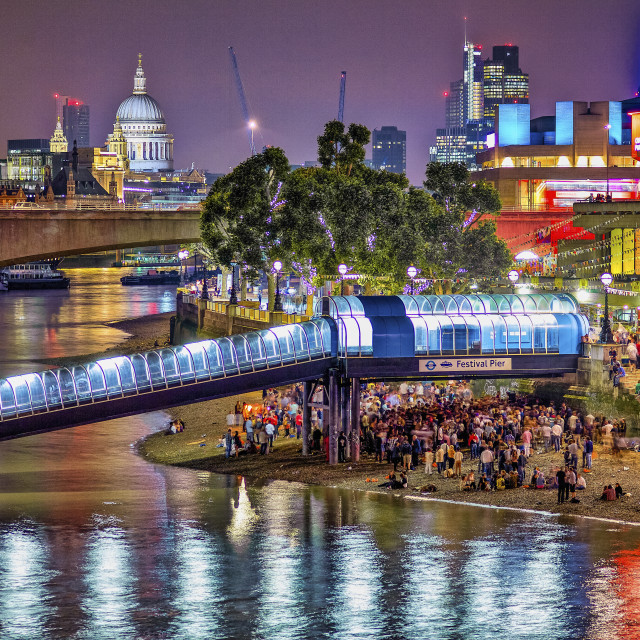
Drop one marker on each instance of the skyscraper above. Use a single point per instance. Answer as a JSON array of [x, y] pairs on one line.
[[471, 102], [389, 149], [503, 81], [75, 119], [472, 82]]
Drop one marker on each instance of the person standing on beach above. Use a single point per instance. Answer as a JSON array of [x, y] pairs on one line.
[[556, 435], [228, 442], [428, 461], [561, 477], [588, 452]]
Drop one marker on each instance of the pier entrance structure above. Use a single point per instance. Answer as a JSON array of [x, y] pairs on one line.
[[349, 340]]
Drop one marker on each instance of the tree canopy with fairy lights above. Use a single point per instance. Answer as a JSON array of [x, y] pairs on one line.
[[313, 219]]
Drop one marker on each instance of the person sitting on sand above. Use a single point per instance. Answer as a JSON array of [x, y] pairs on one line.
[[608, 493], [390, 482], [471, 479], [483, 484], [618, 490], [581, 483], [540, 481]]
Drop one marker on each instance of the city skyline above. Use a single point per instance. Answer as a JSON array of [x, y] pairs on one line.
[[290, 58]]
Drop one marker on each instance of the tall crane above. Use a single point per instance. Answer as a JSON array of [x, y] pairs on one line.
[[343, 81], [243, 101]]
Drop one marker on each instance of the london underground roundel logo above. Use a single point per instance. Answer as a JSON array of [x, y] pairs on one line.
[[431, 365]]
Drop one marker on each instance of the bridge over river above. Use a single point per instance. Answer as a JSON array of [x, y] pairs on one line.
[[351, 339], [32, 234]]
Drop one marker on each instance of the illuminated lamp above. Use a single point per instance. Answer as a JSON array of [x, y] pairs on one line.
[[445, 94], [625, 307], [507, 162], [527, 256], [563, 161], [513, 276]]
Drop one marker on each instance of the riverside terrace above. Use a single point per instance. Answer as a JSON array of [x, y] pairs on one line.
[[350, 339]]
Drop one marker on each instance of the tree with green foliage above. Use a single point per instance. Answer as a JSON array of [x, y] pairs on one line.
[[241, 215], [340, 149], [462, 246], [313, 219]]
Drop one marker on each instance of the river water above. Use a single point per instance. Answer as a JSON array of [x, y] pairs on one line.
[[96, 543]]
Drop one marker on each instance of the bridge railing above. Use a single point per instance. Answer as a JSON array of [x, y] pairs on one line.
[[80, 205]]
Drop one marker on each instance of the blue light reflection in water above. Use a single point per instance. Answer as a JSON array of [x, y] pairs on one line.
[[96, 543]]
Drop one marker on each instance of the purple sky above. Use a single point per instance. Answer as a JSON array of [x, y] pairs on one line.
[[399, 57]]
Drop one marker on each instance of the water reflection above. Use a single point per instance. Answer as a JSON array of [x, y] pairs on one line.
[[96, 543], [50, 324]]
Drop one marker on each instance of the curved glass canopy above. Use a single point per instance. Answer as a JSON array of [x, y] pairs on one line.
[[164, 368]]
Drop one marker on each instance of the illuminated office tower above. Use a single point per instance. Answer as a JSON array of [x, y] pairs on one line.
[[503, 81], [472, 82]]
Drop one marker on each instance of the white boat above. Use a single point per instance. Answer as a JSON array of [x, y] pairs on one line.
[[35, 275]]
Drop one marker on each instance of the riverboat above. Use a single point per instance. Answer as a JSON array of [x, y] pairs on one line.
[[153, 276], [35, 275]]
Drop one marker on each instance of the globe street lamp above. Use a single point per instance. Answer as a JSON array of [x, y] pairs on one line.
[[412, 272], [513, 276], [233, 298], [605, 333], [277, 303], [342, 270]]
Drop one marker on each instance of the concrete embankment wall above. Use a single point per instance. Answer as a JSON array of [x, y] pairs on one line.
[[195, 321]]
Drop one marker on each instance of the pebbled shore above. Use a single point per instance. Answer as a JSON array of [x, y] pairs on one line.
[[205, 423]]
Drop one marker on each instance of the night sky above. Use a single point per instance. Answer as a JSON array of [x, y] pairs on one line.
[[399, 56]]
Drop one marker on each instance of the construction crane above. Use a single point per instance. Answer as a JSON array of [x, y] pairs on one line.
[[343, 80], [243, 101]]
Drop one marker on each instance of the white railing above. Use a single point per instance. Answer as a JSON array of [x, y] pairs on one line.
[[79, 205]]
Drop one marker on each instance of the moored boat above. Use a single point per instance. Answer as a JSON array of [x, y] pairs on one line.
[[35, 275], [153, 276]]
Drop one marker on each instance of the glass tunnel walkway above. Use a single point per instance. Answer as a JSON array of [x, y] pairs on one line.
[[368, 328]]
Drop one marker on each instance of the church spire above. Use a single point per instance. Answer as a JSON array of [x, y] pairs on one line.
[[139, 82]]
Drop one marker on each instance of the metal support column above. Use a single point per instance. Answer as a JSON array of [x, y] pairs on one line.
[[355, 419], [306, 416], [345, 427], [334, 416]]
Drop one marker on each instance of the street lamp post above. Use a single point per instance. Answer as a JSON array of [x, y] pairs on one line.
[[606, 142], [252, 126], [342, 270], [513, 276], [205, 288], [233, 298], [277, 303], [412, 272], [182, 256], [605, 333]]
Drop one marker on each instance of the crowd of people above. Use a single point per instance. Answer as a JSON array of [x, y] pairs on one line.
[[438, 429], [444, 426]]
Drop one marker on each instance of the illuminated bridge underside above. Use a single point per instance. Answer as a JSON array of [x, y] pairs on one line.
[[33, 234], [396, 337]]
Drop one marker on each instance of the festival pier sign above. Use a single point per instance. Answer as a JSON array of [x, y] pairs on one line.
[[464, 365]]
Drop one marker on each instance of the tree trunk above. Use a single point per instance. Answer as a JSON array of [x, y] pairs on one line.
[[271, 291], [242, 285]]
